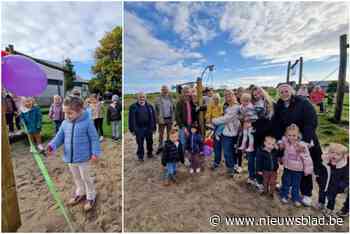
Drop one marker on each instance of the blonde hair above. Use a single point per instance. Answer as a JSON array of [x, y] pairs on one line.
[[267, 98], [246, 97], [337, 148], [293, 127], [57, 96], [216, 96]]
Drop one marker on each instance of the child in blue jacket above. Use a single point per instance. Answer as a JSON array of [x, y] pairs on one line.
[[81, 145], [32, 118], [194, 147]]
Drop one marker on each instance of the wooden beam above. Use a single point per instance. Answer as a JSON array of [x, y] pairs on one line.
[[288, 72], [11, 219], [300, 70], [341, 78], [200, 103]]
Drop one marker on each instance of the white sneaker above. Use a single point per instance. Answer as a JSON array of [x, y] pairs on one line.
[[198, 170], [101, 138], [191, 171], [239, 169], [251, 182], [284, 200], [260, 188], [306, 201], [41, 147], [297, 204]]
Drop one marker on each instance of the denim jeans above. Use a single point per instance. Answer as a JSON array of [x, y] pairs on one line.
[[251, 165], [291, 179], [229, 152], [183, 138], [170, 170], [58, 124], [217, 151]]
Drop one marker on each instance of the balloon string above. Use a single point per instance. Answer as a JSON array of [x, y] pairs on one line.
[[50, 184]]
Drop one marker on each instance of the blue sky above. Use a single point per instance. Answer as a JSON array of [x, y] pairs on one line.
[[248, 42], [59, 30]]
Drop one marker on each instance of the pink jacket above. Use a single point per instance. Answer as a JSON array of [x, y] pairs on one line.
[[297, 161]]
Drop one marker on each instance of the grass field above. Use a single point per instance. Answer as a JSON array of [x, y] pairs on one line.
[[327, 130], [48, 126]]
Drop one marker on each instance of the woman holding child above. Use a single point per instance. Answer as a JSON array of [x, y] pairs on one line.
[[229, 135], [292, 109]]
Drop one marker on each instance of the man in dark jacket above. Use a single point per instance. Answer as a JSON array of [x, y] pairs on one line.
[[294, 109], [142, 124]]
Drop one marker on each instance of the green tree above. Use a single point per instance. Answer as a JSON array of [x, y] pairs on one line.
[[69, 76], [108, 63]]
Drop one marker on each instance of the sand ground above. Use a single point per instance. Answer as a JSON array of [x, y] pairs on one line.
[[37, 206], [187, 206]]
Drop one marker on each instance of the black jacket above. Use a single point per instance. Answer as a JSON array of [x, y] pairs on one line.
[[133, 114], [114, 114], [266, 161], [171, 153], [334, 179], [300, 112]]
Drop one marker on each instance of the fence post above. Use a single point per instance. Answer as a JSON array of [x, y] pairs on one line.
[[288, 71], [300, 71], [200, 103], [11, 219], [341, 78]]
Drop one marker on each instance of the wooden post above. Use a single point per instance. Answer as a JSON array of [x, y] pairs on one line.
[[200, 103], [341, 78], [300, 71], [288, 71], [11, 219]]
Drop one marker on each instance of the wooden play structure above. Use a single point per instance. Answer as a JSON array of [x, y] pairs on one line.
[[11, 219]]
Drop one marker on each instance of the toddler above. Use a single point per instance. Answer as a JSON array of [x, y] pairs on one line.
[[248, 115], [296, 162], [194, 148], [32, 118], [267, 165], [56, 112], [172, 154], [81, 145], [334, 176]]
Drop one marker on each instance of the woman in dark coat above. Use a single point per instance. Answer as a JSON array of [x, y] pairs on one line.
[[294, 109]]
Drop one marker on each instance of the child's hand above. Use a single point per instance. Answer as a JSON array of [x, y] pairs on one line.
[[259, 173], [93, 158]]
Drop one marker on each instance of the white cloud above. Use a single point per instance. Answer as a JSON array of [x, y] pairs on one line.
[[282, 31], [222, 52], [57, 30], [185, 20], [153, 61]]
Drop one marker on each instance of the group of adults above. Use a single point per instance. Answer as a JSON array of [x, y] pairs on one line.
[[166, 113]]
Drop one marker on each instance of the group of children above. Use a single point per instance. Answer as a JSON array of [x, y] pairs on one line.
[[290, 152], [76, 126]]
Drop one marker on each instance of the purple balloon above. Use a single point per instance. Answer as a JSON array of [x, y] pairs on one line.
[[22, 76], [207, 151]]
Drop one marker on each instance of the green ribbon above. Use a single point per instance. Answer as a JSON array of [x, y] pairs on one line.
[[50, 184]]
